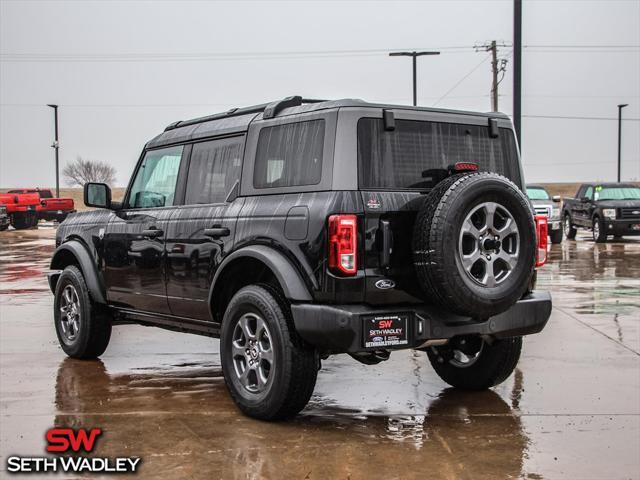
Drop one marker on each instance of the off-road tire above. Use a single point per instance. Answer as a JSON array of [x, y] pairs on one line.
[[436, 237], [556, 236], [95, 321], [295, 362], [569, 230], [494, 365], [22, 222], [597, 230]]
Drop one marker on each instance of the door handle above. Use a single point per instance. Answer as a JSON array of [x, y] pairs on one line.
[[152, 232], [216, 232]]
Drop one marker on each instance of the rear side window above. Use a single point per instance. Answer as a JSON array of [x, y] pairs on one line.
[[403, 158], [213, 169], [289, 155]]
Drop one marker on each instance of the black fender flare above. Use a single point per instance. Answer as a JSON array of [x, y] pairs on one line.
[[86, 263], [292, 283]]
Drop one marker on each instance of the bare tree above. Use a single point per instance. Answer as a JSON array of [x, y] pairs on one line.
[[82, 171]]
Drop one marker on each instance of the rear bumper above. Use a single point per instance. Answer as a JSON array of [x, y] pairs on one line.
[[339, 328], [622, 227], [54, 214]]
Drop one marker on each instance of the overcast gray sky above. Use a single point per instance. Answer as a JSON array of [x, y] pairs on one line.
[[122, 71]]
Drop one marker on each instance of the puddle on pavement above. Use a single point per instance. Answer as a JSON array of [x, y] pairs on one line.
[[162, 396]]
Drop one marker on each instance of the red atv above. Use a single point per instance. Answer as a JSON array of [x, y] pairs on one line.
[[21, 209], [49, 208]]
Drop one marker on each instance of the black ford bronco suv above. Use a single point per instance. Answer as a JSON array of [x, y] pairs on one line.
[[300, 229]]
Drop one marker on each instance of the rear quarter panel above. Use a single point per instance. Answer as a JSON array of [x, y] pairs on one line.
[[264, 220]]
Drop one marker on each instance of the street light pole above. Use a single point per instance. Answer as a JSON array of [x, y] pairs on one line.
[[56, 146], [620, 107], [414, 55]]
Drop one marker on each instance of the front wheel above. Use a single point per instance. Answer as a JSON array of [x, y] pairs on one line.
[[83, 327], [269, 370], [471, 363], [598, 231]]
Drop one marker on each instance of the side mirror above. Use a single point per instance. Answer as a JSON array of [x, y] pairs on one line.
[[556, 198], [585, 199], [97, 195]]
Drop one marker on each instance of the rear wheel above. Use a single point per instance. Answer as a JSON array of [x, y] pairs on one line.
[[598, 230], [269, 370], [22, 221], [556, 236], [569, 229], [471, 363], [83, 327]]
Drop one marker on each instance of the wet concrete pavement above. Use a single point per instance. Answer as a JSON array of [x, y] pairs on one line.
[[571, 410]]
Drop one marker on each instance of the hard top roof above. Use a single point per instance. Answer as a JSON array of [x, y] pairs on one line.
[[237, 120]]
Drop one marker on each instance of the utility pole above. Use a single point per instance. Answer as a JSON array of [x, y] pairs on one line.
[[56, 146], [497, 66], [494, 84], [517, 69], [620, 107], [414, 55]]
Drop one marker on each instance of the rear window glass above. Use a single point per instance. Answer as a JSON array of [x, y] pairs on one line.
[[406, 157], [536, 193], [289, 155]]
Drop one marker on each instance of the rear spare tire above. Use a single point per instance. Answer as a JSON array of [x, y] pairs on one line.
[[474, 244]]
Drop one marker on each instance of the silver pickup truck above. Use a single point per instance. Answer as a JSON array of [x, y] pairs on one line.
[[545, 204]]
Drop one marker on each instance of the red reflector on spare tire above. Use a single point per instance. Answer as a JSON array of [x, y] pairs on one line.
[[465, 167]]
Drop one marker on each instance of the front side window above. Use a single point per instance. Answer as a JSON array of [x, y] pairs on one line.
[[155, 182], [213, 170], [411, 156], [589, 193], [289, 155]]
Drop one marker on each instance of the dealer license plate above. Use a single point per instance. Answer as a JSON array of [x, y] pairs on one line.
[[385, 331]]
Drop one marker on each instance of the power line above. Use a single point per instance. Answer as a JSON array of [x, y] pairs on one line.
[[600, 47], [145, 105], [579, 118], [159, 57], [258, 55], [462, 80]]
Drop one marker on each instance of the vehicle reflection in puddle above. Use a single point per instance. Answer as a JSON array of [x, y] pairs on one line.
[[598, 284], [161, 396], [162, 413]]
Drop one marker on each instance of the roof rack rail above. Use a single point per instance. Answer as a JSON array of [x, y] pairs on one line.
[[234, 112], [270, 110]]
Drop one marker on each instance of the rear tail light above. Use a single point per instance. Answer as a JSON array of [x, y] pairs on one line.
[[343, 238], [542, 231]]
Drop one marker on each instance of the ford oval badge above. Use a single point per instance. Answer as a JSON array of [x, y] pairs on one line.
[[385, 284]]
